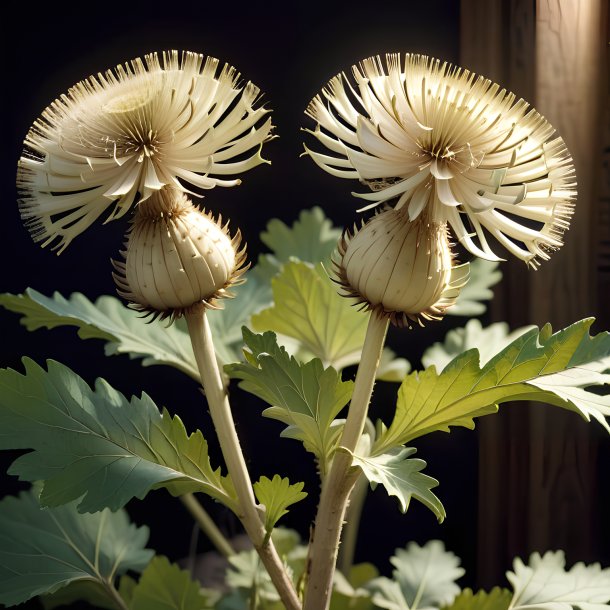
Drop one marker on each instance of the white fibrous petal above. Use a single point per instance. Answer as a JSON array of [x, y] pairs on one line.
[[177, 120], [428, 135]]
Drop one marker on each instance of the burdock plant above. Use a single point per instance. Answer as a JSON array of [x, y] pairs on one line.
[[448, 158]]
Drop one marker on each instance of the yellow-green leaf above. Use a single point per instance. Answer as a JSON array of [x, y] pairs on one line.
[[277, 495]]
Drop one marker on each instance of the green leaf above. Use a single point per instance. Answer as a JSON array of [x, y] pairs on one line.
[[496, 599], [555, 369], [306, 397], [402, 478], [165, 586], [123, 329], [97, 444], [247, 574], [544, 584], [226, 323], [351, 593], [277, 495], [483, 275], [325, 325], [489, 341], [44, 550], [90, 591], [312, 238], [426, 574]]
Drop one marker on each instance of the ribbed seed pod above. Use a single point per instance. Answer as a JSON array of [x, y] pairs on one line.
[[400, 268], [177, 256]]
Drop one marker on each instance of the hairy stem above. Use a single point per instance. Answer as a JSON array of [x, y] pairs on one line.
[[353, 513], [207, 525], [220, 410], [341, 478]]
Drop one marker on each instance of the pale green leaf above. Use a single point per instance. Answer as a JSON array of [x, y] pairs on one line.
[[277, 495], [226, 323], [496, 599], [556, 369], [309, 311], [483, 275], [165, 586], [311, 238], [351, 593], [44, 550], [425, 575], [489, 341], [95, 444], [388, 595], [248, 575], [306, 397], [544, 584], [401, 477], [124, 330]]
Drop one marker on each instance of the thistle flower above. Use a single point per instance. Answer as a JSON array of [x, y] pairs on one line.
[[177, 256], [441, 139], [116, 139], [400, 268]]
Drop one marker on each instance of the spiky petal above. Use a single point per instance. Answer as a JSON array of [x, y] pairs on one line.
[[117, 138], [427, 135]]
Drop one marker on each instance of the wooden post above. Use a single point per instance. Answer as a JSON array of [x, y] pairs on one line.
[[538, 471]]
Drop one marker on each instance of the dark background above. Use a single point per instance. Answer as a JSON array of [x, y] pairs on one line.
[[290, 54]]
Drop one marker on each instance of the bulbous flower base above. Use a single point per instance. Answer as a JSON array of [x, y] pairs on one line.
[[400, 268], [177, 257]]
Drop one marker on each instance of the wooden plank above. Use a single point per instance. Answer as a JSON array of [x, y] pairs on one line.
[[538, 470]]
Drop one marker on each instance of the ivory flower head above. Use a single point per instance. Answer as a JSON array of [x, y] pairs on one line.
[[117, 138], [430, 136]]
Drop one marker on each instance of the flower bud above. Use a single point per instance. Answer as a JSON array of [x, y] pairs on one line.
[[401, 268], [177, 256]]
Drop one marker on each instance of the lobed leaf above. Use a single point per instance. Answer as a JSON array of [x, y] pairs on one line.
[[483, 275], [308, 310], [489, 341], [556, 369], [306, 397], [311, 238], [42, 551], [165, 586], [496, 599], [95, 444], [544, 584], [277, 495], [401, 477], [426, 574]]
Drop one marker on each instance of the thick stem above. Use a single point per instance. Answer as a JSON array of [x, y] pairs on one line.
[[207, 525], [341, 479], [220, 410], [353, 513]]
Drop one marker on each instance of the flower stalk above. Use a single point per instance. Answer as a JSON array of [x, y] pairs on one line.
[[220, 410], [341, 478], [207, 525]]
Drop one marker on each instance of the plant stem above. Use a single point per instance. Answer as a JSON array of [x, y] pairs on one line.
[[352, 525], [220, 410], [115, 595], [207, 525], [341, 479]]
